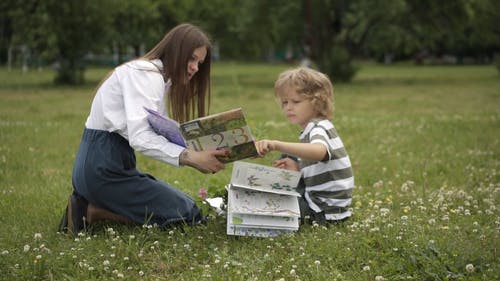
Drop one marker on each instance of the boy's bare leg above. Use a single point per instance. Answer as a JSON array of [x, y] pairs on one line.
[[95, 213]]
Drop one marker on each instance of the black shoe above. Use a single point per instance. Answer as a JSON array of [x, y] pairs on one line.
[[63, 224], [76, 213]]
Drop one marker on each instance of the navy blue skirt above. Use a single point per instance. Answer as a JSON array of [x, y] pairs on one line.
[[105, 174]]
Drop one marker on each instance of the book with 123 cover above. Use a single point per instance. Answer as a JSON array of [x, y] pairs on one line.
[[224, 130]]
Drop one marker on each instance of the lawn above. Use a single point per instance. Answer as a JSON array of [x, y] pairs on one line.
[[424, 143]]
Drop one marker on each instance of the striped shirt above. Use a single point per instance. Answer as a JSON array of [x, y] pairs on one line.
[[328, 183]]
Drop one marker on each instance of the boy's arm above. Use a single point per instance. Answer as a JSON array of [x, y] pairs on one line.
[[309, 151]]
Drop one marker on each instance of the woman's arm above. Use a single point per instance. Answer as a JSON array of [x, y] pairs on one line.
[[309, 151]]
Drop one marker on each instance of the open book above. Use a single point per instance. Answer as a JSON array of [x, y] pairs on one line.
[[224, 130], [262, 201]]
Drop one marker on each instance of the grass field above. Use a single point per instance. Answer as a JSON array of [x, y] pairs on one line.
[[424, 142]]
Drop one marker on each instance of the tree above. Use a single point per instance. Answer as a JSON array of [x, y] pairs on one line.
[[133, 22], [78, 27], [337, 31]]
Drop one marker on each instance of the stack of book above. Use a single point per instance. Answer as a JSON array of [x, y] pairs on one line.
[[262, 201]]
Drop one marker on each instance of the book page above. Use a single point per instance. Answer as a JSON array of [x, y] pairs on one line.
[[265, 178], [260, 221], [165, 127], [245, 201], [255, 231]]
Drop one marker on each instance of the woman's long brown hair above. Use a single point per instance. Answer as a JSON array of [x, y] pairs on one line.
[[175, 50]]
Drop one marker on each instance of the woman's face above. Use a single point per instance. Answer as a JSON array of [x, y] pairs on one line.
[[197, 58]]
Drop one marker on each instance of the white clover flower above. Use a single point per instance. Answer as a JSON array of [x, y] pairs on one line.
[[119, 275], [470, 268], [91, 268], [5, 252], [141, 273], [379, 278], [131, 237], [26, 248], [37, 236], [317, 262], [106, 262], [125, 258], [384, 211], [292, 272], [39, 257], [366, 268]]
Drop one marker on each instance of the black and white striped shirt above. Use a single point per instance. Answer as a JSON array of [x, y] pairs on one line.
[[328, 183]]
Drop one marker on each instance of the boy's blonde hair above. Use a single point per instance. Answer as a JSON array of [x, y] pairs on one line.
[[310, 84]]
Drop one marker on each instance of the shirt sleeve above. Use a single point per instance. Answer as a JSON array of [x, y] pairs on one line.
[[146, 88], [319, 135]]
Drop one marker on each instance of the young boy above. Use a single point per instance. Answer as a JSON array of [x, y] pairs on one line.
[[306, 98]]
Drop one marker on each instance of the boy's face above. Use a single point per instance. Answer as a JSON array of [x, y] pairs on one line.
[[297, 109]]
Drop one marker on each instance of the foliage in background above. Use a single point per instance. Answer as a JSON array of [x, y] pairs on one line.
[[331, 32]]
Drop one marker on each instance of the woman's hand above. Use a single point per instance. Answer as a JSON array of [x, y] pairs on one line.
[[204, 161], [287, 164]]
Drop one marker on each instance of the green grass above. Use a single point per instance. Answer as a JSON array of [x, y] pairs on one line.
[[424, 142]]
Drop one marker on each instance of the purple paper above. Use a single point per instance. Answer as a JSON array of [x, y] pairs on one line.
[[165, 126]]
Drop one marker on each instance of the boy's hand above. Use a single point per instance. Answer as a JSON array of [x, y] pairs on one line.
[[287, 164], [264, 146]]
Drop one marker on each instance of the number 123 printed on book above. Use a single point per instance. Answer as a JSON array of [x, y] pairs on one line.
[[225, 130]]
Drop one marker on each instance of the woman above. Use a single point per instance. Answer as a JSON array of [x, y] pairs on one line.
[[174, 77]]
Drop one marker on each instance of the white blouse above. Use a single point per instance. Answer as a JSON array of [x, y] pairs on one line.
[[118, 106]]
